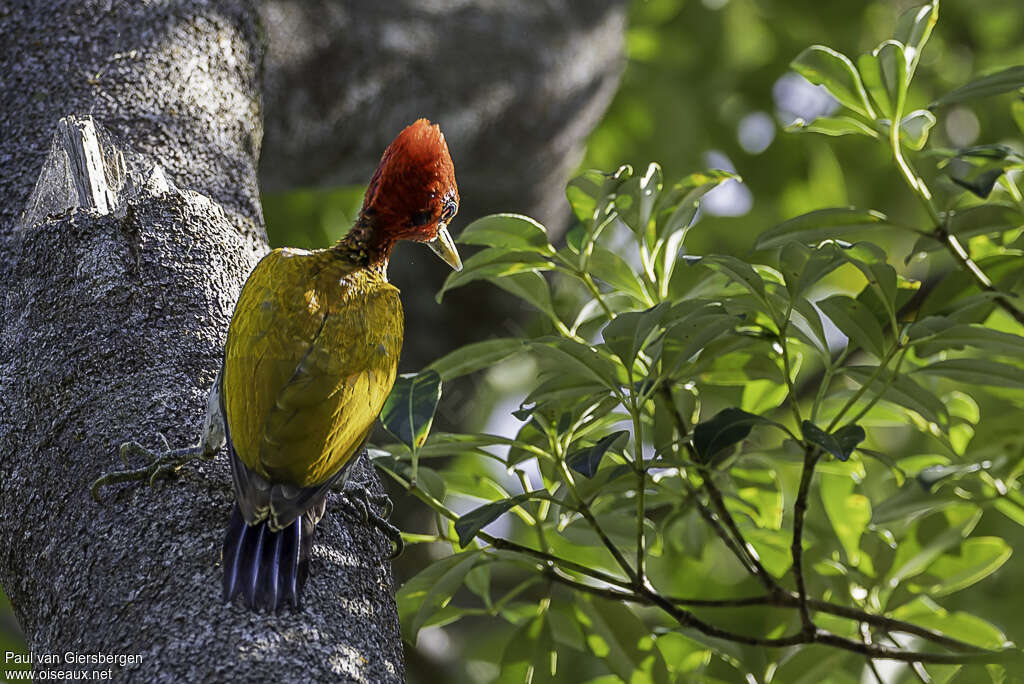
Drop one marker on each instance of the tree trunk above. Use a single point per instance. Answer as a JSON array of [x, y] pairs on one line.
[[114, 307], [113, 325]]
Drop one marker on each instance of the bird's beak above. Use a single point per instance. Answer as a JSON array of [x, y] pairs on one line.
[[444, 247]]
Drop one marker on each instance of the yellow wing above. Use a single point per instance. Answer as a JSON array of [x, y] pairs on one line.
[[311, 356]]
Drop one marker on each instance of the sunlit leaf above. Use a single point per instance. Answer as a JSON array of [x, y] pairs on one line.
[[508, 231], [977, 372], [822, 224], [429, 591], [824, 66], [976, 559], [833, 125]]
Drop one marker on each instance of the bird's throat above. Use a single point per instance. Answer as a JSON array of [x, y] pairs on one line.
[[365, 245]]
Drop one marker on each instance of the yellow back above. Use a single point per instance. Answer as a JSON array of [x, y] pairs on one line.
[[311, 356]]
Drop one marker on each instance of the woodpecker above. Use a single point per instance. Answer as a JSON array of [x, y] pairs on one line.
[[311, 355]]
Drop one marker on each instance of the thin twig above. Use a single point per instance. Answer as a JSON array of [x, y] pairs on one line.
[[811, 456]]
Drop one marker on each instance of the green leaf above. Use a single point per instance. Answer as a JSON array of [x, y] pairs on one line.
[[915, 127], [803, 267], [913, 29], [824, 66], [995, 83], [408, 412], [977, 558], [469, 524], [871, 72], [931, 340], [580, 359], [892, 66], [508, 231], [628, 333], [833, 125], [840, 443], [977, 372], [739, 271], [617, 636], [531, 288], [849, 513], [904, 391], [586, 461], [677, 208], [978, 168], [493, 264], [822, 224], [532, 649], [726, 428], [856, 322], [912, 559], [612, 269], [476, 356], [980, 219], [692, 334], [933, 475], [635, 199], [964, 626], [430, 590]]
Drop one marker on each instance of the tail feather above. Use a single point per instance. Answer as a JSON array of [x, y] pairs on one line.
[[267, 568]]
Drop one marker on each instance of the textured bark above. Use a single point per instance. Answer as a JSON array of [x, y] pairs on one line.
[[112, 326]]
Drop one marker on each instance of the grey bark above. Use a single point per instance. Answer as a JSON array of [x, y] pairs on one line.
[[113, 326]]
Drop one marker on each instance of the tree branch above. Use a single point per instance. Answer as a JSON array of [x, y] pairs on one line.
[[811, 456]]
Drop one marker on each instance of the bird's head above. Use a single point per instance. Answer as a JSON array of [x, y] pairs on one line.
[[413, 195]]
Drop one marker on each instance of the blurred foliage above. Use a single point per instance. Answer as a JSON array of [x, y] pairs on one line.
[[853, 358]]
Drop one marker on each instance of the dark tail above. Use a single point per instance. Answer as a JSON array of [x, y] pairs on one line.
[[267, 568]]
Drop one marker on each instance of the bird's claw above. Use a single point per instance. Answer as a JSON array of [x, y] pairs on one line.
[[162, 466], [357, 502]]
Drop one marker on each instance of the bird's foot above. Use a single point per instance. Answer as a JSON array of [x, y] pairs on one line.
[[163, 464], [358, 503]]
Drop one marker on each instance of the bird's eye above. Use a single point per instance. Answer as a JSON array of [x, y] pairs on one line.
[[449, 211], [422, 218]]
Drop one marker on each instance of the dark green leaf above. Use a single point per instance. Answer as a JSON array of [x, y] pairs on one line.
[[469, 524], [530, 287], [824, 66], [996, 83], [726, 428], [978, 168], [408, 412], [822, 224], [840, 443], [586, 461]]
